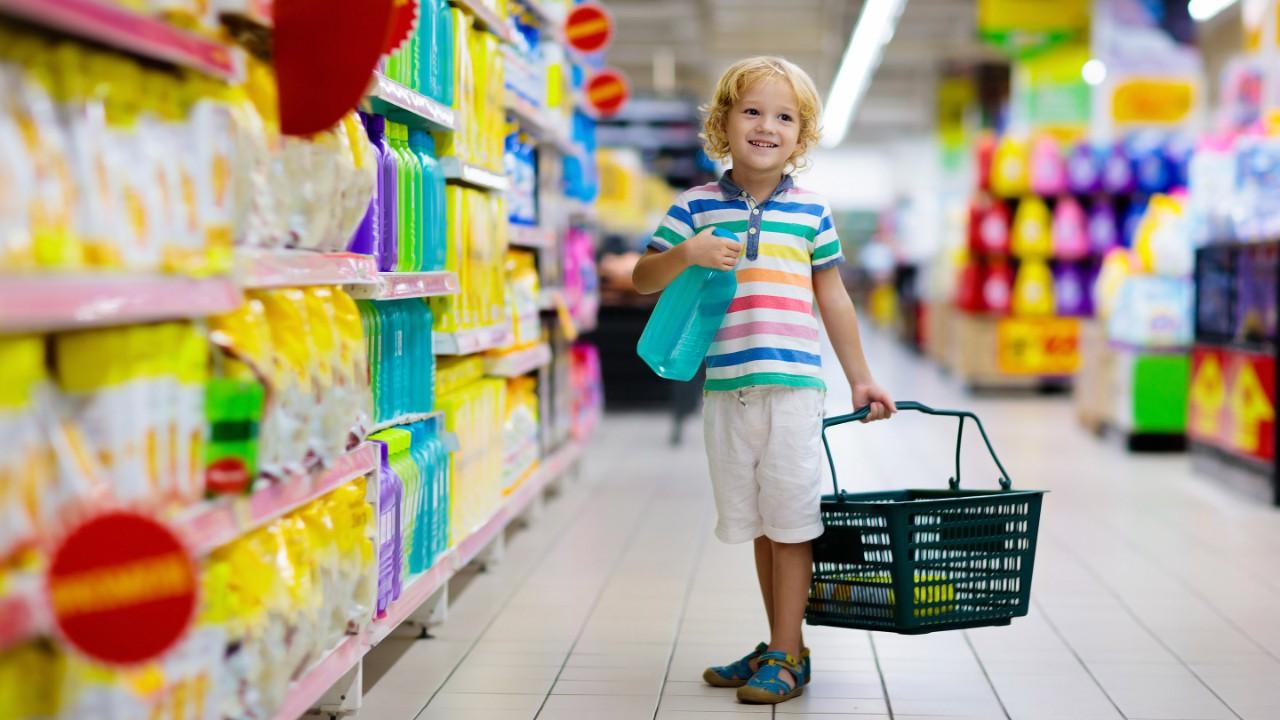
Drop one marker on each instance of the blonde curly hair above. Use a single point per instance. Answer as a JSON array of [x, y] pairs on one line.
[[742, 75]]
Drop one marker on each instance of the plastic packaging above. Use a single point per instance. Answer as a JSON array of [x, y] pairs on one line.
[[685, 322]]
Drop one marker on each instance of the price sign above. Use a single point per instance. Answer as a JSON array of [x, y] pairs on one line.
[[1231, 403], [1038, 346]]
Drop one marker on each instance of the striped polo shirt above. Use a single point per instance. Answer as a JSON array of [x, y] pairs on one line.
[[770, 333]]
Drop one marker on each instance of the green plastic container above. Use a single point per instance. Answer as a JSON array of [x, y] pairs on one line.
[[919, 561]]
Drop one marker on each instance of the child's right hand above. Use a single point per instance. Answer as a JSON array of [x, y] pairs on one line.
[[712, 251]]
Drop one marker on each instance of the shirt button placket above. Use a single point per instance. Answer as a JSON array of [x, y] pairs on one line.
[[753, 234]]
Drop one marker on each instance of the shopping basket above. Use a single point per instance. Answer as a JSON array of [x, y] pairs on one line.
[[920, 561]]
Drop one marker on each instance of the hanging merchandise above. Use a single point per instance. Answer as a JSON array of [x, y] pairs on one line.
[[1084, 168], [1010, 168], [1070, 238], [1031, 236], [1047, 169]]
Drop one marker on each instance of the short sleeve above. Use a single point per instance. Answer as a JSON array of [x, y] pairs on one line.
[[675, 228], [826, 244]]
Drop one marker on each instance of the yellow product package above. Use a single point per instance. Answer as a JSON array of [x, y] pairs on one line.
[[293, 388], [211, 138], [351, 373], [329, 424], [26, 462]]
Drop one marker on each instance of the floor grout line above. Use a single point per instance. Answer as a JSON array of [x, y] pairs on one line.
[[884, 684], [684, 608], [516, 585], [1137, 619], [627, 544], [982, 666], [1071, 649]]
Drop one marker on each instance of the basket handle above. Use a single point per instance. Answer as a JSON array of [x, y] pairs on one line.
[[954, 482]]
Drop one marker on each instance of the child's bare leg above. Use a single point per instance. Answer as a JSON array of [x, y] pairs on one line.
[[792, 573], [764, 573]]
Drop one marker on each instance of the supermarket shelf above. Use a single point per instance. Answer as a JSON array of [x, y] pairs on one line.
[[579, 210], [111, 24], [487, 18], [409, 107], [223, 521], [323, 675], [519, 362], [314, 683], [543, 14], [468, 174], [468, 342], [536, 237], [66, 302], [538, 124], [298, 268], [407, 420], [398, 286]]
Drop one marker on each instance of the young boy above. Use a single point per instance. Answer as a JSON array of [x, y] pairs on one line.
[[764, 391]]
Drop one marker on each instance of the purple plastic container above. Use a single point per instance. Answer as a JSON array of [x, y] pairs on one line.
[[390, 492], [388, 189], [1104, 231], [367, 237]]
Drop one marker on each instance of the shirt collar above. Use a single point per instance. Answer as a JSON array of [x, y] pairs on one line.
[[731, 190]]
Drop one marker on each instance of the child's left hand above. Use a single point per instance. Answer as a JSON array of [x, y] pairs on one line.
[[869, 393]]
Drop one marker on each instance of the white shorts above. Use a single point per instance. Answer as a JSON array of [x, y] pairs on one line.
[[764, 447]]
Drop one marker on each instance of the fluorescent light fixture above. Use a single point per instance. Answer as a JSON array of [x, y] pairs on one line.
[[874, 29], [1094, 72], [1201, 10]]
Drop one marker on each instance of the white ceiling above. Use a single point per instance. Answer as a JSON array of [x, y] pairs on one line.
[[702, 37]]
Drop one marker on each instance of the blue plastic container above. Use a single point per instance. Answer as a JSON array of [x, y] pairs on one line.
[[687, 318]]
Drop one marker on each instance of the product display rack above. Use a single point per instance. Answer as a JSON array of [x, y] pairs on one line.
[[408, 107], [58, 302], [334, 684], [468, 174], [116, 26], [260, 269], [31, 303], [401, 285], [518, 363], [1231, 418]]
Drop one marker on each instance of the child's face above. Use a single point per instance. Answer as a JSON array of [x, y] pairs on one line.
[[764, 126]]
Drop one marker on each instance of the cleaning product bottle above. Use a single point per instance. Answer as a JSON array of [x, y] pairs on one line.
[[1117, 172], [1070, 241], [1084, 169], [1103, 231], [444, 51], [432, 200], [997, 287], [1010, 174], [390, 496], [367, 238], [388, 193], [1031, 229], [993, 229], [1033, 289], [969, 286], [1069, 290], [1048, 171], [687, 318]]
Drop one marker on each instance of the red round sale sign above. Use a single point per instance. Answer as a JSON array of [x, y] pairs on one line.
[[607, 92], [588, 28], [122, 588]]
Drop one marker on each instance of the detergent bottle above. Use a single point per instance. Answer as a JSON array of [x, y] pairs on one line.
[[1070, 239], [688, 315]]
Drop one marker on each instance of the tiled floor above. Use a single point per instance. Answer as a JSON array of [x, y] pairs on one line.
[[1156, 596]]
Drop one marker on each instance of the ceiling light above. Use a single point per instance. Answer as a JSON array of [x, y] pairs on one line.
[[874, 30], [1094, 72], [1201, 10]]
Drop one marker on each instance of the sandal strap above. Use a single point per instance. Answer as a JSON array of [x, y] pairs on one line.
[[783, 660]]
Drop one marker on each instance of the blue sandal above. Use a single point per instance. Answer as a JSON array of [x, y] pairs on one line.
[[737, 673], [767, 687]]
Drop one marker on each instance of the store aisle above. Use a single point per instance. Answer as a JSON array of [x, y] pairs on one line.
[[1154, 595]]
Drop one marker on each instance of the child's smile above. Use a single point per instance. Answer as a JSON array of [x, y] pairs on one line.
[[764, 127]]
